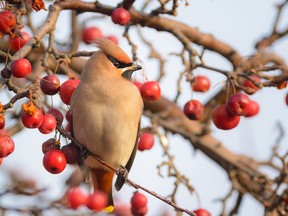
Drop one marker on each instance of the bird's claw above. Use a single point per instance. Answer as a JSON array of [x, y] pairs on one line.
[[84, 153], [122, 172]]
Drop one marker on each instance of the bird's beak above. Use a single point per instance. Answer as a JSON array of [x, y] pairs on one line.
[[137, 67], [133, 67], [127, 71]]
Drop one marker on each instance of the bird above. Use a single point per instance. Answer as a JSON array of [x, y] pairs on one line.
[[106, 109]]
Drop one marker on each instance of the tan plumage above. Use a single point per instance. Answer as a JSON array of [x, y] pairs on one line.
[[106, 111], [109, 48]]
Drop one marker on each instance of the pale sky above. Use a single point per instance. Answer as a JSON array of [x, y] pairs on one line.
[[238, 23]]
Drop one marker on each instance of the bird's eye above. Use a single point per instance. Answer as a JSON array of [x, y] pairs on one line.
[[116, 64], [114, 61]]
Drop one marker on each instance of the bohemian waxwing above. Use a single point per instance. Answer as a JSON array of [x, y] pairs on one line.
[[106, 110]]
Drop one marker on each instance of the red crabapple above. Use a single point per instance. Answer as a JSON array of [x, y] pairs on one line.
[[120, 16], [113, 38], [18, 42], [50, 144], [250, 87], [200, 84], [150, 91], [202, 212], [253, 109], [194, 109], [72, 153], [48, 124], [138, 200], [67, 89], [54, 161], [31, 116], [223, 119], [6, 146], [21, 68], [7, 21], [50, 84], [238, 104], [90, 34], [146, 141], [97, 201], [57, 114], [76, 197]]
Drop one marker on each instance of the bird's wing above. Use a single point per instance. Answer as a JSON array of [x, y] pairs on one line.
[[132, 157], [122, 178], [80, 174]]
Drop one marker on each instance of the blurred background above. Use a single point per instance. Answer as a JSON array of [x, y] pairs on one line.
[[238, 23]]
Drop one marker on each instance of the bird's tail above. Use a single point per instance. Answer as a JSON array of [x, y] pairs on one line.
[[119, 182], [102, 180]]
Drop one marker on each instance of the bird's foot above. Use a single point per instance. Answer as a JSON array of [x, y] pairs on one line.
[[109, 209], [122, 174], [85, 153]]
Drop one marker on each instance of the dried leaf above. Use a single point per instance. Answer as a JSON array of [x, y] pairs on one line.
[[38, 5]]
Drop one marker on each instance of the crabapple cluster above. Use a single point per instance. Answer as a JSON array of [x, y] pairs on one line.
[[76, 197], [46, 118], [224, 116], [227, 116], [19, 69], [55, 157], [8, 25]]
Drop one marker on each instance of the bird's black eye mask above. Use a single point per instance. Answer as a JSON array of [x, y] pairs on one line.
[[117, 63]]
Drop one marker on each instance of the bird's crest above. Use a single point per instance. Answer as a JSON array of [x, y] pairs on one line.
[[110, 48]]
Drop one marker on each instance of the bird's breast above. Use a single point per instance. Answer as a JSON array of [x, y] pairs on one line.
[[105, 119]]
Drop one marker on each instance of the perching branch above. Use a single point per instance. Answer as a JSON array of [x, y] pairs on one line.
[[118, 171]]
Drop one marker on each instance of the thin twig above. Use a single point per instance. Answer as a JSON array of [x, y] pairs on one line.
[[116, 171]]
